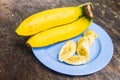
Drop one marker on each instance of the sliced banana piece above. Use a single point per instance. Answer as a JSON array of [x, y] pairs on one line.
[[91, 32], [83, 41], [76, 60], [83, 47], [83, 51], [90, 39], [91, 35], [67, 50]]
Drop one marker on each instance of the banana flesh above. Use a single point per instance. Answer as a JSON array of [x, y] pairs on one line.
[[83, 51], [67, 50], [85, 42], [91, 35], [76, 60], [83, 45], [91, 32]]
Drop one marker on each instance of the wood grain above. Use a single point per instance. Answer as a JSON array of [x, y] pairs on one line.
[[17, 61]]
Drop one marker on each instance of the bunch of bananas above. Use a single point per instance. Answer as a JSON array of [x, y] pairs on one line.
[[55, 25], [67, 52]]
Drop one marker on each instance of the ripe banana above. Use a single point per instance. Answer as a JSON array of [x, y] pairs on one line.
[[83, 51], [85, 42], [83, 48], [67, 50], [91, 35], [76, 60], [91, 32], [50, 18], [60, 33]]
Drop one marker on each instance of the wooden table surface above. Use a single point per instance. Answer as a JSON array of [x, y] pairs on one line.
[[17, 61]]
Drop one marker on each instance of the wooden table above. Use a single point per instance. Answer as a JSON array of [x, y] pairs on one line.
[[17, 61]]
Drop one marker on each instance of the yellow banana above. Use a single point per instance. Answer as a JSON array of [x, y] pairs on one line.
[[76, 60], [67, 50], [50, 18], [60, 33]]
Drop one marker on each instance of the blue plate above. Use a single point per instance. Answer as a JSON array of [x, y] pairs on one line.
[[100, 54]]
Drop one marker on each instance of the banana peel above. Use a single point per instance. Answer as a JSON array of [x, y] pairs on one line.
[[52, 18], [59, 34]]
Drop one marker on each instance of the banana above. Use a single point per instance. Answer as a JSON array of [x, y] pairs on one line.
[[83, 47], [76, 60], [90, 39], [60, 33], [91, 32], [85, 42], [91, 35], [50, 18], [83, 50], [67, 50]]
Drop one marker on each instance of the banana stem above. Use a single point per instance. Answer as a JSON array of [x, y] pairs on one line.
[[87, 9], [88, 3]]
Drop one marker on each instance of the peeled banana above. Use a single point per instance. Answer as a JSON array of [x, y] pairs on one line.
[[76, 60], [83, 50], [91, 35], [60, 33], [85, 42], [91, 32], [67, 50], [50, 18], [83, 47]]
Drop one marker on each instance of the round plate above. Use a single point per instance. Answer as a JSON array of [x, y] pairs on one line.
[[100, 54]]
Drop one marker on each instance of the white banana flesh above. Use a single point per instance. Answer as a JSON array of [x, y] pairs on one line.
[[85, 42], [76, 60], [67, 50], [82, 47]]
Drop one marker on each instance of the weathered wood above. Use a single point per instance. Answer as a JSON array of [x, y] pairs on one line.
[[17, 61]]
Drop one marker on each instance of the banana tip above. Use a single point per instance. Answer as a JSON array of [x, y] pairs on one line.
[[28, 45]]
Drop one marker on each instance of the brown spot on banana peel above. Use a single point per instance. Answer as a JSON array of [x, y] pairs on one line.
[[88, 11]]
